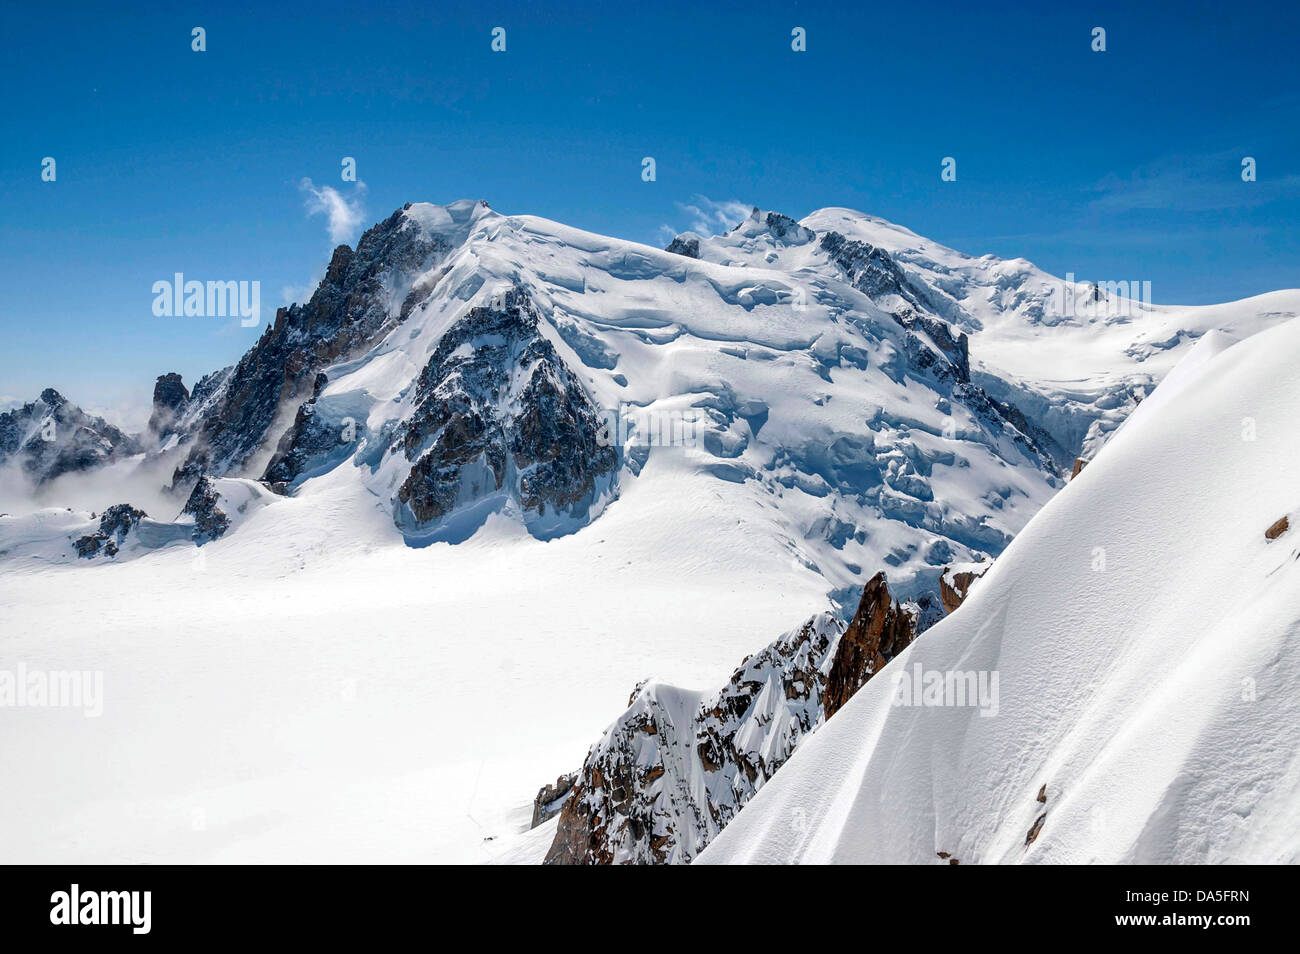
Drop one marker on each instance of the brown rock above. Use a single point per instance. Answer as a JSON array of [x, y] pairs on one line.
[[1279, 528], [879, 631], [1035, 829], [1079, 464], [954, 594]]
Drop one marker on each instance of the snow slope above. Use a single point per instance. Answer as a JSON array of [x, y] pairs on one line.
[[309, 687], [1144, 632], [331, 680], [1074, 359]]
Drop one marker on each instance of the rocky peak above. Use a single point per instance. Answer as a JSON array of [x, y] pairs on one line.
[[685, 244], [350, 309], [499, 411], [52, 436], [170, 399], [879, 631], [676, 767], [780, 228], [210, 521]]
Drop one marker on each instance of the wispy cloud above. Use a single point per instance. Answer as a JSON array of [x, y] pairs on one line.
[[706, 216], [344, 213]]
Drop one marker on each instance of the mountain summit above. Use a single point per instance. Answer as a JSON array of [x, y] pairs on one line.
[[886, 401]]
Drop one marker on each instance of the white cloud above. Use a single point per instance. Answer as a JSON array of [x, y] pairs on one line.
[[345, 213], [707, 217]]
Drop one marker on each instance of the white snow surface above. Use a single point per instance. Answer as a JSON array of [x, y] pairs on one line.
[[1145, 637], [316, 686]]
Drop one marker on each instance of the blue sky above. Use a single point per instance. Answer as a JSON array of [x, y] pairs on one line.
[[1117, 165]]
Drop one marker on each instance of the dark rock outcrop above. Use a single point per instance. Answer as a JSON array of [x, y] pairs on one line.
[[170, 399], [210, 521], [499, 410], [114, 525], [683, 245], [1278, 528], [879, 631], [955, 584], [310, 440]]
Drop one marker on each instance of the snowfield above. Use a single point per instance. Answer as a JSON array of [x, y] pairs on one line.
[[311, 688], [1144, 632], [351, 674]]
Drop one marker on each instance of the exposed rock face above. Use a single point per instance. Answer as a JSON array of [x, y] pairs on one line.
[[499, 410], [551, 798], [780, 226], [1079, 464], [685, 245], [349, 309], [1012, 423], [170, 399], [1277, 529], [210, 521], [955, 583], [931, 342], [677, 766], [313, 438], [934, 348], [879, 631], [114, 525], [51, 437]]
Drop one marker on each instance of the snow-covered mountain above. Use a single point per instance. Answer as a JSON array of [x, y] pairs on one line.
[[1140, 637], [891, 403], [497, 471], [44, 439]]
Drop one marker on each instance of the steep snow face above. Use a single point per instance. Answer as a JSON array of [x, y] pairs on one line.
[[1143, 634]]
